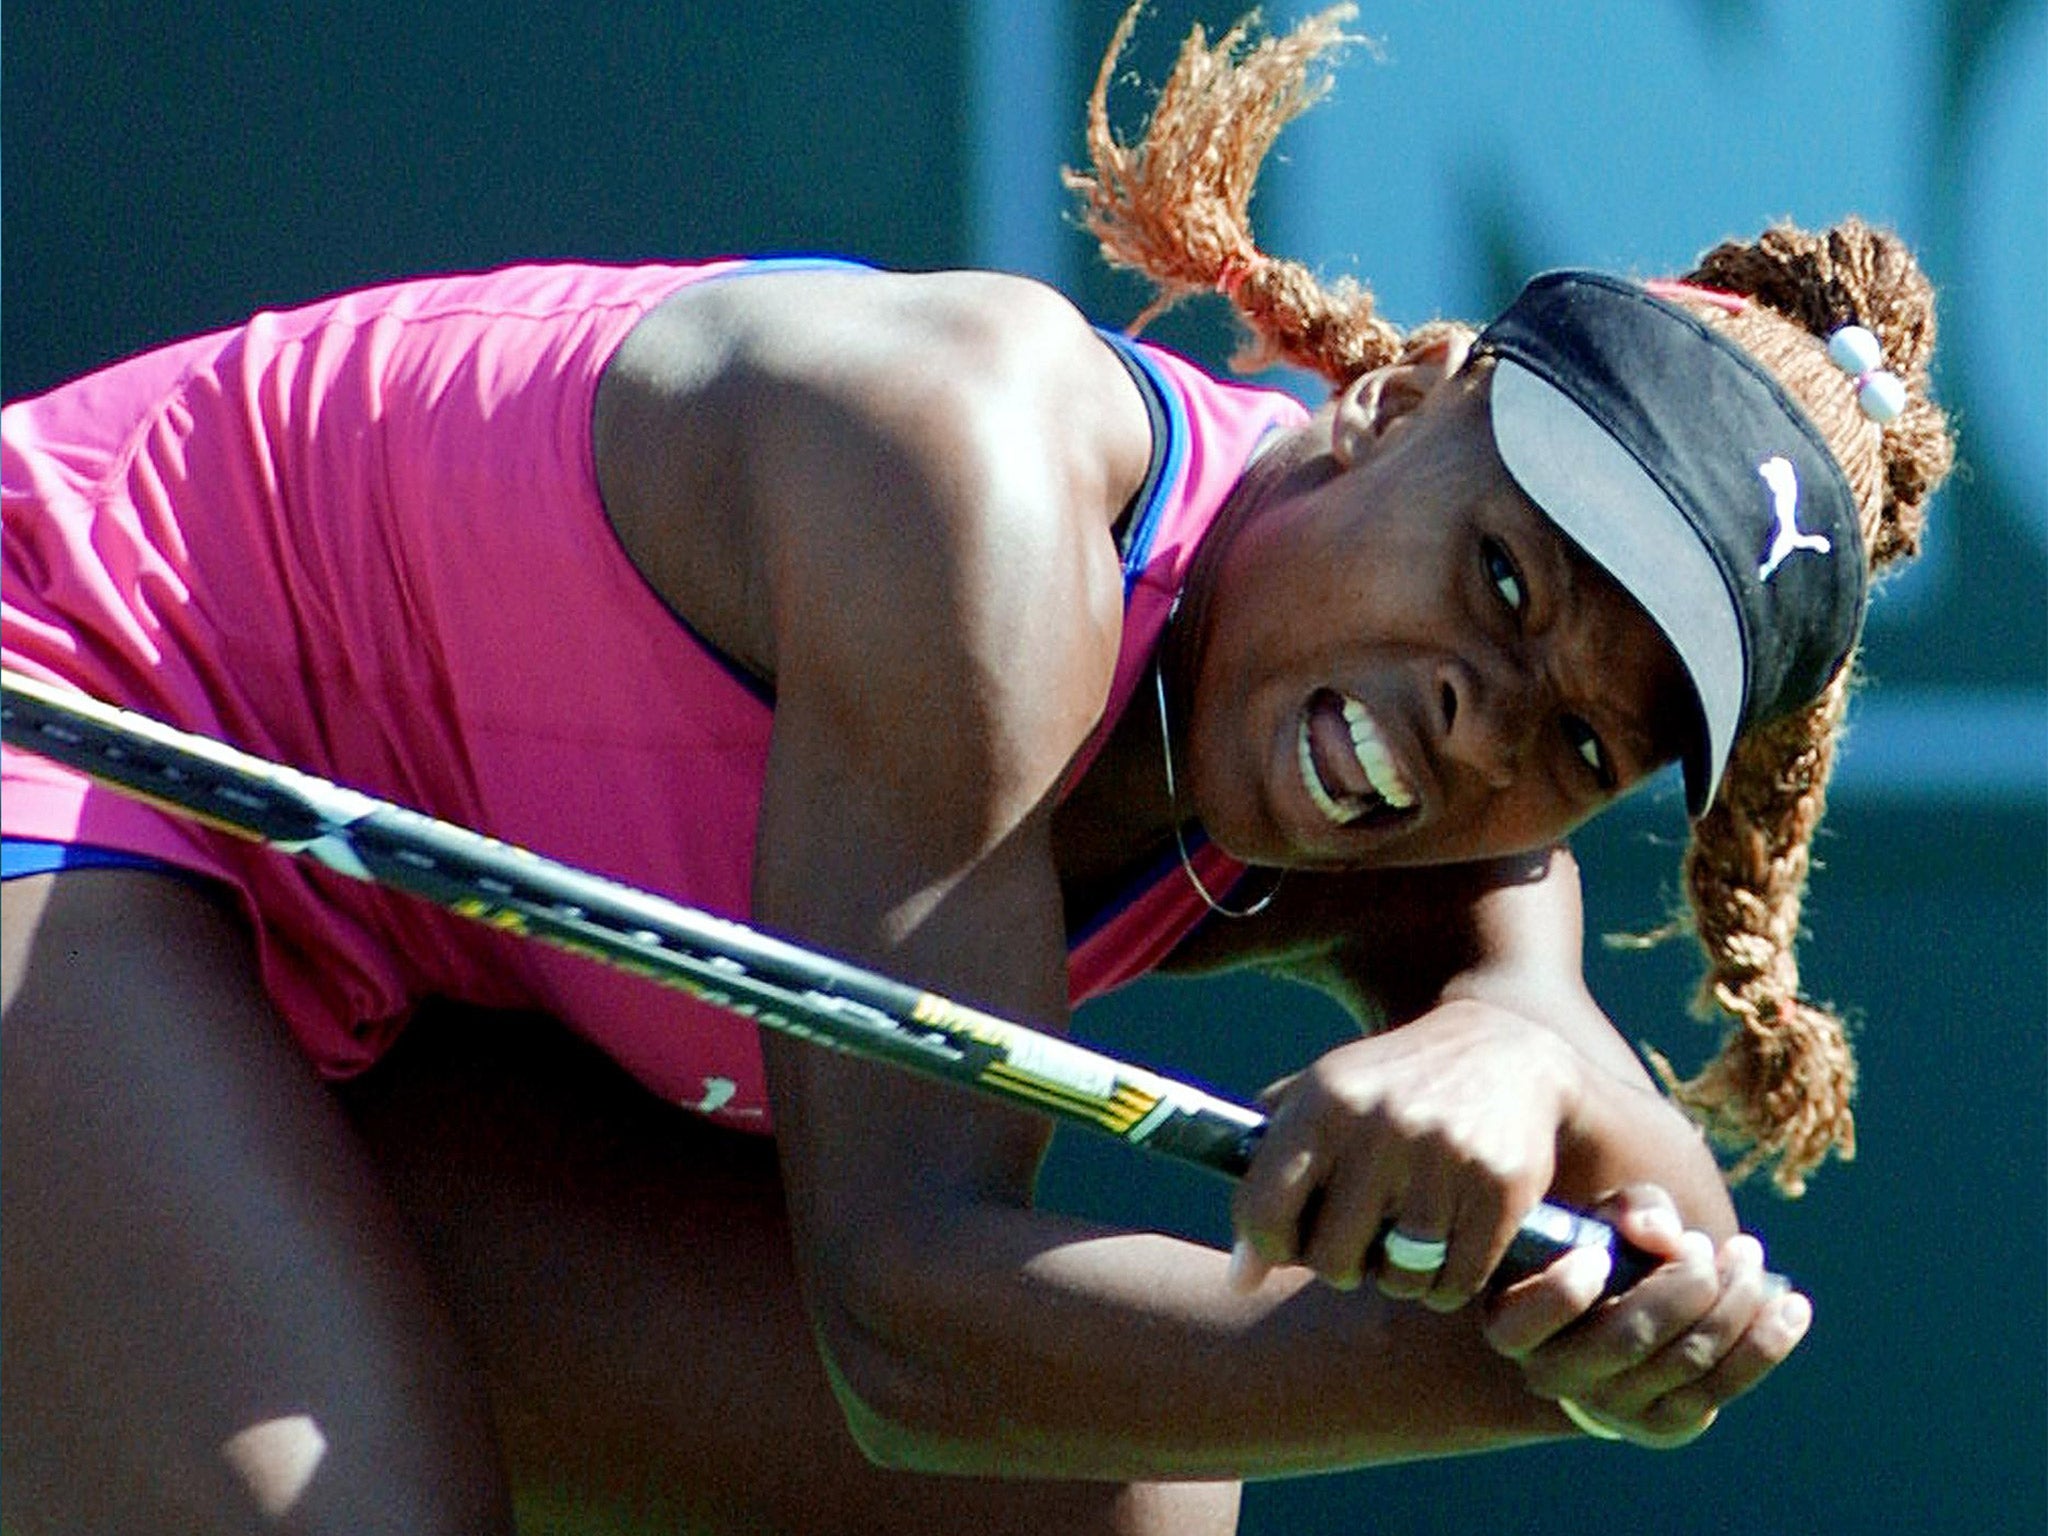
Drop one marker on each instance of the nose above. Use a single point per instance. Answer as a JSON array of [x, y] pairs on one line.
[[1489, 711]]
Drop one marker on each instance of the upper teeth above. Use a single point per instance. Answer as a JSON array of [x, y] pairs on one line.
[[1374, 758], [1374, 761]]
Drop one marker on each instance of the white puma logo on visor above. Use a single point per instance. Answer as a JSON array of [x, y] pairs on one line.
[[1778, 474]]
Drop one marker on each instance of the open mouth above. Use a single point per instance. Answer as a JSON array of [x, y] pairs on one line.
[[1345, 765]]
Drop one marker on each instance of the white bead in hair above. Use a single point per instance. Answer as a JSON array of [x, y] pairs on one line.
[[1879, 391]]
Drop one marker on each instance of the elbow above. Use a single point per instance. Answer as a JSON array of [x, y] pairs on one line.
[[886, 1435], [896, 1419], [905, 1411]]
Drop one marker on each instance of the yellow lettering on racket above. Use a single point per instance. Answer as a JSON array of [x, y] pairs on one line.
[[491, 915]]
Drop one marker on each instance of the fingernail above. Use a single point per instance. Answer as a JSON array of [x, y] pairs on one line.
[[1586, 1271], [1658, 1224], [1744, 1252], [1245, 1270], [1696, 1248], [1794, 1315]]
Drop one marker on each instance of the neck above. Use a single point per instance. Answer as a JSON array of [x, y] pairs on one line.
[[1287, 463], [1115, 820], [1179, 820]]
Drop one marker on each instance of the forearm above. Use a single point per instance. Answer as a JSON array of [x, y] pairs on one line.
[[1029, 1344], [1507, 935], [1628, 1133]]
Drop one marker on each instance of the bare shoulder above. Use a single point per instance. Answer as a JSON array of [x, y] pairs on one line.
[[965, 433], [874, 342]]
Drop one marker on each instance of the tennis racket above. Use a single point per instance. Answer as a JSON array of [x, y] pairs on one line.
[[780, 985]]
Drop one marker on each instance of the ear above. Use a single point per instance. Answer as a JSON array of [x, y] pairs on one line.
[[1374, 402]]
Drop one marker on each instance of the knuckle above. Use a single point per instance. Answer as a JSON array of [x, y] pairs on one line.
[[1504, 1190], [1404, 1123], [1700, 1295], [1328, 1083], [1637, 1336], [1505, 1173], [1413, 1117], [1698, 1351], [1276, 1177]]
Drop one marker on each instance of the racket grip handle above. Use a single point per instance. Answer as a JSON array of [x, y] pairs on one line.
[[1546, 1235], [1549, 1232]]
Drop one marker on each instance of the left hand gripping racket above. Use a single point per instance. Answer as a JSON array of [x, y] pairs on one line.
[[779, 985]]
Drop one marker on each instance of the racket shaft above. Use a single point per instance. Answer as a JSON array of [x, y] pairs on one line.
[[780, 985]]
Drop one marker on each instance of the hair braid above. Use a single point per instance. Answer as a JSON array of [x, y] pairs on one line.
[[1175, 208], [1176, 205], [1782, 1083]]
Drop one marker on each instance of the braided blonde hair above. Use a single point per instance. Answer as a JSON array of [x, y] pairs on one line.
[[1174, 207]]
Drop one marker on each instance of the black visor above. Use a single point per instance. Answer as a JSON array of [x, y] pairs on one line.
[[1678, 465]]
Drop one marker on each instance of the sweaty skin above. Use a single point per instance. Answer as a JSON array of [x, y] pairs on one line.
[[963, 1329], [891, 502]]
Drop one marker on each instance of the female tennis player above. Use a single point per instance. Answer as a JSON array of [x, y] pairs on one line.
[[914, 617]]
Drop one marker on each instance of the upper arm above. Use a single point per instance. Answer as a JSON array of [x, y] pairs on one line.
[[938, 605], [941, 611]]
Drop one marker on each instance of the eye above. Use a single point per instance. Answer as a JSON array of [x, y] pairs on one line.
[[1587, 745], [1503, 573]]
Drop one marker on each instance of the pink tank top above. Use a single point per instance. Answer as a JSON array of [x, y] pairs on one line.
[[401, 533]]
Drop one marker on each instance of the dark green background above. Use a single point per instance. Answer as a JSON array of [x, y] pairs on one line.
[[169, 169]]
